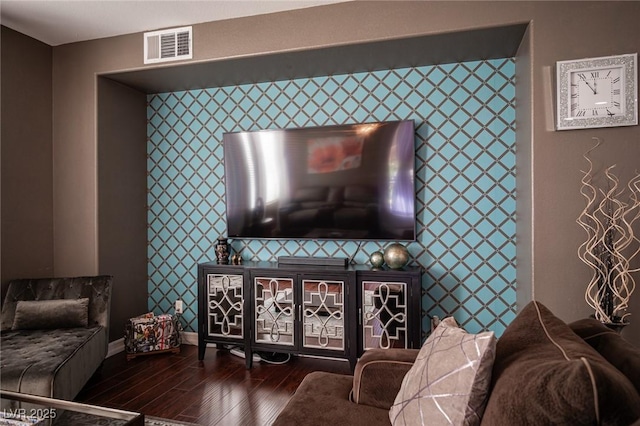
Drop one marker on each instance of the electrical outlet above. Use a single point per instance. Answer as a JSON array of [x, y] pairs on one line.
[[178, 306]]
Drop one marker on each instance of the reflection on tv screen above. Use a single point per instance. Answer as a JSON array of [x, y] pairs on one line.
[[346, 182]]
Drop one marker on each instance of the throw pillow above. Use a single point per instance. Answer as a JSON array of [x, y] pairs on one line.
[[50, 314], [546, 374], [449, 382]]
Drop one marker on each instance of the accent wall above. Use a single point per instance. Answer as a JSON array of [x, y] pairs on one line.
[[464, 115]]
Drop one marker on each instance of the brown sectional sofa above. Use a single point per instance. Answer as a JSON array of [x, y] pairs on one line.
[[545, 372]]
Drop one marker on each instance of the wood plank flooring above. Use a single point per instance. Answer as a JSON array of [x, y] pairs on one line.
[[218, 390]]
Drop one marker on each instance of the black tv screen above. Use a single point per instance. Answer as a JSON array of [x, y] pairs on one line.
[[345, 182]]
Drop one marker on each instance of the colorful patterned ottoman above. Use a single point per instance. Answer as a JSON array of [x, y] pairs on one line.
[[151, 334]]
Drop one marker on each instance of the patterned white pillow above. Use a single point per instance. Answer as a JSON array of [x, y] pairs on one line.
[[449, 382]]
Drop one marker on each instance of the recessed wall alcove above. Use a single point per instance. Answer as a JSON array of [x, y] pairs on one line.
[[123, 127]]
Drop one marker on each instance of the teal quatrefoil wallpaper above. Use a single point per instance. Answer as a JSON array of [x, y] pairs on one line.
[[464, 115]]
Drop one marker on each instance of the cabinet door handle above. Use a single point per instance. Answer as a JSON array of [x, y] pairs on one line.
[[359, 316]]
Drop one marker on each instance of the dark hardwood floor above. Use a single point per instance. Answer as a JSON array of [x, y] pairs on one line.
[[216, 391]]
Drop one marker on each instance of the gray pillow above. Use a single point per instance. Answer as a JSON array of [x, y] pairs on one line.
[[449, 381], [49, 314]]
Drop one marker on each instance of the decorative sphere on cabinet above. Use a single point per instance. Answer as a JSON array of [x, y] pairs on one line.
[[376, 259], [396, 256]]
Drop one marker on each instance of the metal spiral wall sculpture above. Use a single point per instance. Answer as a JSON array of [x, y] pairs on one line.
[[611, 245]]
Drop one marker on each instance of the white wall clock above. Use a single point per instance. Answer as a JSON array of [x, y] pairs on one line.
[[597, 92]]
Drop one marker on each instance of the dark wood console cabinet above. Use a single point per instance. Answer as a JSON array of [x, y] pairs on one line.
[[309, 310]]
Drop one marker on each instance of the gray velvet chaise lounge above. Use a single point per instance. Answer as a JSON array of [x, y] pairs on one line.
[[55, 334]]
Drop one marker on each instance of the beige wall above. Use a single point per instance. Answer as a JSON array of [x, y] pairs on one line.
[[27, 163], [524, 190], [122, 194], [558, 275], [548, 175]]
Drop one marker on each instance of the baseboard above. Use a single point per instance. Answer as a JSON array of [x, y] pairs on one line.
[[190, 338], [117, 346]]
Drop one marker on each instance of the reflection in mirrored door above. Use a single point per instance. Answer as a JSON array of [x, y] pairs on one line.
[[384, 315], [323, 314], [274, 310]]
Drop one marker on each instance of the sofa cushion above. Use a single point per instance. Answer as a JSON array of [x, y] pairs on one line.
[[359, 194], [312, 205], [51, 362], [48, 314], [323, 399], [310, 194], [612, 346], [336, 195], [546, 374], [449, 381]]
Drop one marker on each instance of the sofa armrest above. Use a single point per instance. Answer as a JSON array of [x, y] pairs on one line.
[[378, 376], [612, 346]]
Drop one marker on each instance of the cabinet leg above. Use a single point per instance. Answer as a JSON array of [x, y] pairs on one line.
[[248, 357], [352, 363], [201, 349]]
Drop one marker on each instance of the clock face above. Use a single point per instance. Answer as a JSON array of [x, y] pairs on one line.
[[597, 92]]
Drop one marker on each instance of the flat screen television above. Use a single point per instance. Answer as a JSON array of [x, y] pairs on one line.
[[344, 182]]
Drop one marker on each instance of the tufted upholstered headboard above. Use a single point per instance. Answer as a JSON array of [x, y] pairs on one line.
[[97, 289]]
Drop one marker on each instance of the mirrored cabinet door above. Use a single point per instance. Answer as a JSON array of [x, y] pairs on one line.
[[224, 305], [274, 311], [384, 315], [323, 310]]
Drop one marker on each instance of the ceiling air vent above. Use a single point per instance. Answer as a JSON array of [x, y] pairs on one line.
[[167, 45]]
